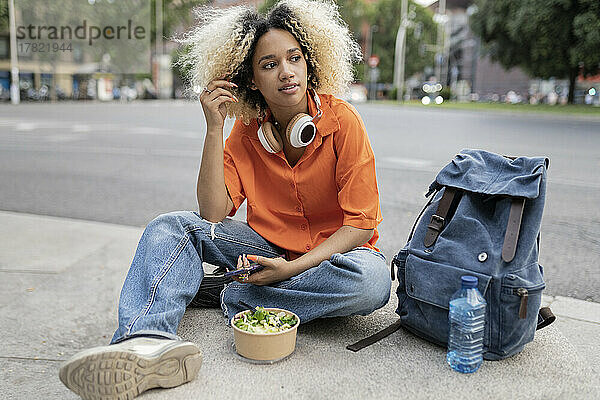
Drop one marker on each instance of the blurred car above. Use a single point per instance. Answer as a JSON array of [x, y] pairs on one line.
[[431, 93], [4, 94], [128, 93]]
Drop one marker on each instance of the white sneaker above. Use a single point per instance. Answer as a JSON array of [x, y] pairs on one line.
[[126, 369]]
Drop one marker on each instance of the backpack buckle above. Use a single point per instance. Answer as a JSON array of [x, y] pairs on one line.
[[436, 223]]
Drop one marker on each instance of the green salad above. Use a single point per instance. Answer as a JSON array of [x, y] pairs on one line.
[[260, 320]]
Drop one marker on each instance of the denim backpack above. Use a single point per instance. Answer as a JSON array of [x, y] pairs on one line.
[[483, 218]]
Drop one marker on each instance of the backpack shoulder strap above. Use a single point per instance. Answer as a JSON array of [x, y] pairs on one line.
[[545, 318], [431, 194], [375, 337]]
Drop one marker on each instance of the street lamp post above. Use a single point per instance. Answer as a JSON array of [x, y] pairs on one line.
[[158, 45], [15, 96], [400, 52], [371, 72], [472, 9], [441, 19], [369, 49]]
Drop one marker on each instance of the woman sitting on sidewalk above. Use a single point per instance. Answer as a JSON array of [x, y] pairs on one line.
[[312, 197]]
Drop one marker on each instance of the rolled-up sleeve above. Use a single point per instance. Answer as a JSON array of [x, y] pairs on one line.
[[358, 195]]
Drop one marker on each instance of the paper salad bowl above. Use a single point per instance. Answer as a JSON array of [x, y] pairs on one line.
[[265, 346]]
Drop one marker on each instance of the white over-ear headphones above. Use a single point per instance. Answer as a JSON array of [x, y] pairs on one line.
[[301, 130]]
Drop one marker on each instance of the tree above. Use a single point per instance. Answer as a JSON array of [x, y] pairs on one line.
[[386, 15], [547, 38], [4, 16], [177, 15]]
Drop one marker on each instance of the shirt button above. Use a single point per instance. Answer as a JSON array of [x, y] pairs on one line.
[[303, 227], [298, 209], [307, 247], [292, 184]]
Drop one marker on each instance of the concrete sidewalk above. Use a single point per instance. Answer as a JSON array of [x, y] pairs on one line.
[[59, 286]]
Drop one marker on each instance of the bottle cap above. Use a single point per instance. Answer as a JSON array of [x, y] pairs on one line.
[[468, 281]]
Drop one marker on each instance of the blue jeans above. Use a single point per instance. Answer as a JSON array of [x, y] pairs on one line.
[[167, 270]]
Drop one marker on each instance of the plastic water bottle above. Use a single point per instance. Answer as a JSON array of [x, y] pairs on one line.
[[467, 322]]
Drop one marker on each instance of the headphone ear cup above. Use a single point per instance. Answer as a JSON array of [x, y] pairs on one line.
[[269, 138], [301, 130]]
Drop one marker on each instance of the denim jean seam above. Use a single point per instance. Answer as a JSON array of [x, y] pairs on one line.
[[247, 244], [523, 268], [215, 235], [377, 253], [154, 287], [196, 227], [295, 279], [501, 323]]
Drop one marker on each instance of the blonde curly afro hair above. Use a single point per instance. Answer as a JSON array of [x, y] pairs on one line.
[[223, 44]]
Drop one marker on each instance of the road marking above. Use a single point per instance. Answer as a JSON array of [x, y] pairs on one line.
[[574, 182], [62, 138], [190, 134], [25, 126], [147, 130], [107, 151], [41, 127], [81, 128], [416, 164]]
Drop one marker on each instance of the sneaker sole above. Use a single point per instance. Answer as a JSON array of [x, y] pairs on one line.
[[121, 375]]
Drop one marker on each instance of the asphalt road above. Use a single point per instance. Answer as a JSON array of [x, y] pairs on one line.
[[126, 163]]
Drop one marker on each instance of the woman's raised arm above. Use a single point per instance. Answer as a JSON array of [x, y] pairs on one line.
[[214, 203]]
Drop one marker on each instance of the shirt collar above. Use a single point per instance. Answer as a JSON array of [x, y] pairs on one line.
[[328, 123]]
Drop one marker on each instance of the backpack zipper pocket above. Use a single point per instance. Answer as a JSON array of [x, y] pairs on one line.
[[520, 300], [524, 295]]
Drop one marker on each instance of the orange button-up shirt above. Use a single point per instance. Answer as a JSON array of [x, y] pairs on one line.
[[332, 184]]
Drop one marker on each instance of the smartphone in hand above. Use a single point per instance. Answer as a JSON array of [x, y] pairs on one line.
[[254, 267]]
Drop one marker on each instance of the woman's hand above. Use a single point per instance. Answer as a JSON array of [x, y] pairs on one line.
[[213, 100], [276, 270]]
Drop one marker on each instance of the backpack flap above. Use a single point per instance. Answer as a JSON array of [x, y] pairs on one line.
[[519, 182], [480, 171]]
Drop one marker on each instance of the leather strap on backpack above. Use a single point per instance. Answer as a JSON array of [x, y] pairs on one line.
[[513, 227], [509, 248], [438, 219]]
